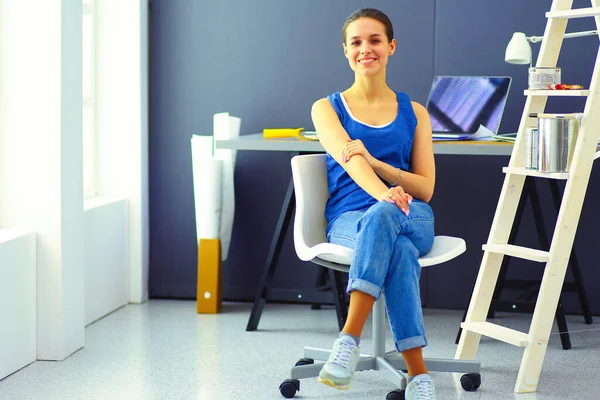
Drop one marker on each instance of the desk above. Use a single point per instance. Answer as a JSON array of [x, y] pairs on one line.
[[488, 148], [256, 142]]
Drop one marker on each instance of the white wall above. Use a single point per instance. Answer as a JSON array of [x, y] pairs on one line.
[[122, 98], [41, 185], [105, 257], [17, 298], [116, 222]]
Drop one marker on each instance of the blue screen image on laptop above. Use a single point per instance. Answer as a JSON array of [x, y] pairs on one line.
[[460, 104]]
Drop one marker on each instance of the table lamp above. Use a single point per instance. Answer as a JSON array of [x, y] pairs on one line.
[[518, 50]]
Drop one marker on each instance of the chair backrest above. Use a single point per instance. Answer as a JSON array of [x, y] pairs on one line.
[[310, 186]]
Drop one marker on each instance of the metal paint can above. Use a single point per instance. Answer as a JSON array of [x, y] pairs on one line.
[[556, 142]]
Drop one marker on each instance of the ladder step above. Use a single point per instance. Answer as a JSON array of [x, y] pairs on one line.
[[574, 93], [497, 332], [575, 13], [518, 251], [532, 172]]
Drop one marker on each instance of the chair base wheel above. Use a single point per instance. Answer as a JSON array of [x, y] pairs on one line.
[[470, 382], [289, 387], [305, 361], [397, 394]]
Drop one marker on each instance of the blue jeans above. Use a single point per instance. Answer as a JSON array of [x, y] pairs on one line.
[[387, 245]]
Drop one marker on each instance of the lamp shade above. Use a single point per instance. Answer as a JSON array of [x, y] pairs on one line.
[[518, 50]]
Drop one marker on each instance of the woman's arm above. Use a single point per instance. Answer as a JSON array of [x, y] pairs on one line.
[[333, 137], [421, 181]]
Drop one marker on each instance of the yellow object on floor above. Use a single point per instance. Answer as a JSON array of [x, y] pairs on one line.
[[281, 133], [208, 299]]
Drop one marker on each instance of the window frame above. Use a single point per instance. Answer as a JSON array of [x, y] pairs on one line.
[[89, 125]]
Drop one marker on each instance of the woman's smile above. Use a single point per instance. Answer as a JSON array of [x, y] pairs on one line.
[[367, 61]]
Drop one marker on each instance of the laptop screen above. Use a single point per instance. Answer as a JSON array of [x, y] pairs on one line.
[[459, 104]]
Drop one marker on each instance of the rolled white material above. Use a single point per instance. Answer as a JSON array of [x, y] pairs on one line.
[[207, 175], [226, 127]]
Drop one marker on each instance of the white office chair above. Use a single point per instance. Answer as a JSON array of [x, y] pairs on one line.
[[310, 185]]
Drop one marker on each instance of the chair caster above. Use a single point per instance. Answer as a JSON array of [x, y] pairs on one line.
[[304, 361], [289, 387], [470, 382], [397, 394]]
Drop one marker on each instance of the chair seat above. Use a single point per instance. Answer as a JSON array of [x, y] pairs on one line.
[[444, 248]]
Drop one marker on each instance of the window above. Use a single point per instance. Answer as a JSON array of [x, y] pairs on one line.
[[89, 97]]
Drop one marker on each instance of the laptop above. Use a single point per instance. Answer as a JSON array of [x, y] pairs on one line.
[[459, 105]]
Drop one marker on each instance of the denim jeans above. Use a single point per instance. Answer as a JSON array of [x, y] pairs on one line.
[[387, 245]]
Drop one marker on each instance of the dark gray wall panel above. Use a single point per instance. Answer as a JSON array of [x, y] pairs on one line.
[[265, 61]]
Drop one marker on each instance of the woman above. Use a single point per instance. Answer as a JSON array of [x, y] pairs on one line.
[[381, 175]]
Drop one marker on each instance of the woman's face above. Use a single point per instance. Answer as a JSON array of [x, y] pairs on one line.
[[367, 47]]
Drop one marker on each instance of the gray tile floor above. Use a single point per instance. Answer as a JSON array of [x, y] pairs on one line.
[[163, 350]]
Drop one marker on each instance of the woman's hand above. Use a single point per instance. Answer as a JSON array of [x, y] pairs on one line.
[[356, 147], [396, 195]]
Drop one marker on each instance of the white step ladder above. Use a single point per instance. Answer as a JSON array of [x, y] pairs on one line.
[[556, 259]]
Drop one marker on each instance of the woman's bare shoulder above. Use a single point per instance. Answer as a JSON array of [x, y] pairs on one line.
[[321, 105], [418, 108]]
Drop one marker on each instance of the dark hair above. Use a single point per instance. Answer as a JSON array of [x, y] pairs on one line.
[[373, 14]]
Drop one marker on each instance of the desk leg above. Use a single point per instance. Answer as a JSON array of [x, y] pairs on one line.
[[511, 239], [545, 244], [339, 295], [321, 284], [573, 262], [505, 260], [282, 225], [530, 190]]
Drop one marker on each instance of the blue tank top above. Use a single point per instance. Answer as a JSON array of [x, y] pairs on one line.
[[391, 143]]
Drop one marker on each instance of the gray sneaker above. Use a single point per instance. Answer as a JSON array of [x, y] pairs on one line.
[[340, 366], [420, 388]]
